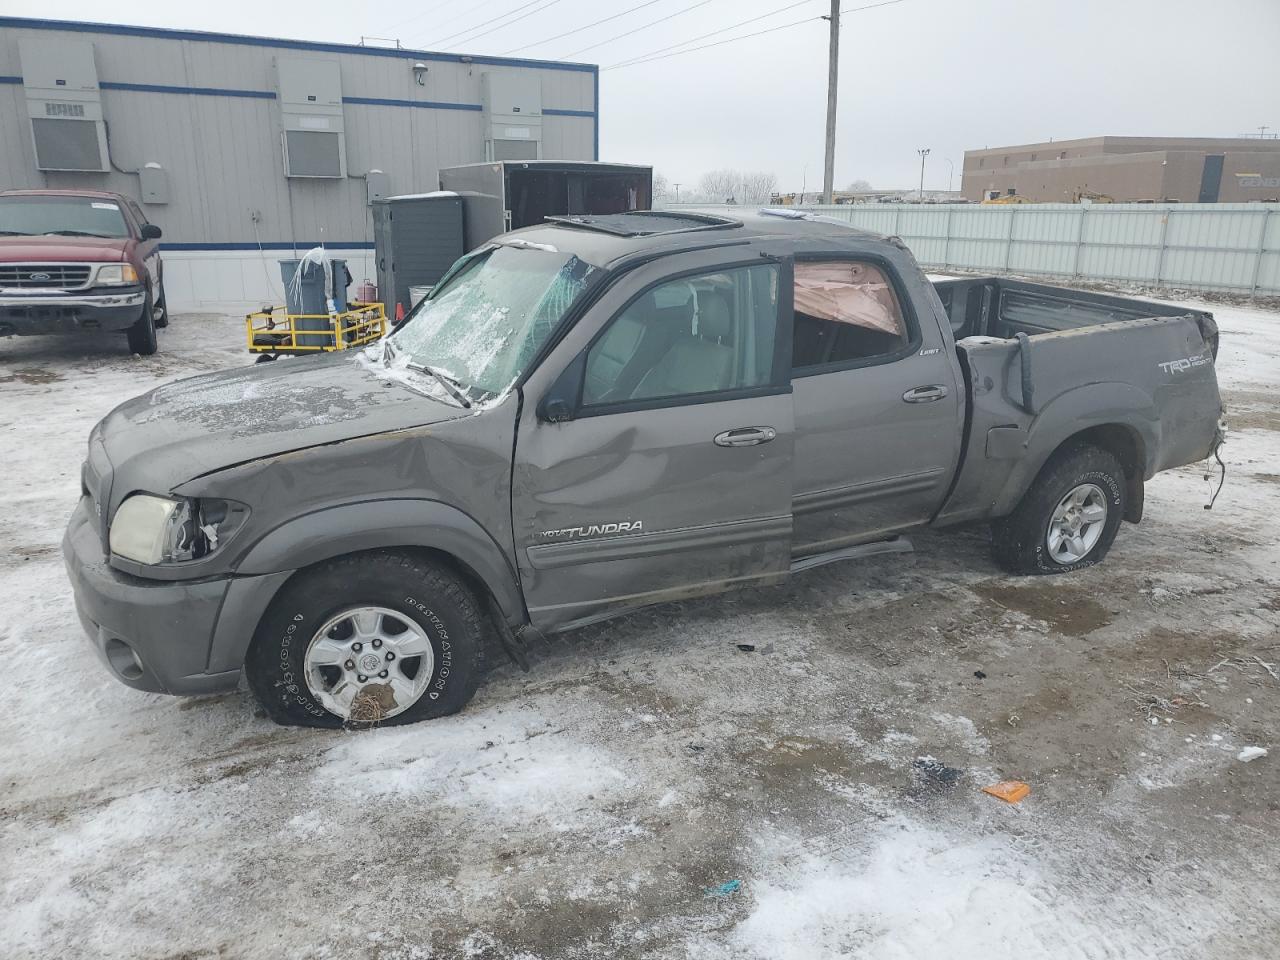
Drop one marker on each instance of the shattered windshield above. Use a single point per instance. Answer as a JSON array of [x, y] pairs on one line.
[[485, 325]]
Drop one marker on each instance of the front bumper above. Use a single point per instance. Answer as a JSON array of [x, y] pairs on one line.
[[27, 313], [152, 635]]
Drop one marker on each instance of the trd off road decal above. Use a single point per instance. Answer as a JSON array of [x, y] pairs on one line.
[[1186, 363], [593, 530]]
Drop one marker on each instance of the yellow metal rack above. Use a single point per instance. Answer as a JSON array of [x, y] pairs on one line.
[[272, 332]]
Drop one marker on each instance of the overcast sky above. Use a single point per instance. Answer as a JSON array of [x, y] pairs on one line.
[[943, 74]]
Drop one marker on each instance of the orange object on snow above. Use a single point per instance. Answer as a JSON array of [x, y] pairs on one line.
[[1010, 791], [399, 312]]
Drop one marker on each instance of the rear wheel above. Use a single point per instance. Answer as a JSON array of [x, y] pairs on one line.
[[377, 637], [1069, 517], [142, 335]]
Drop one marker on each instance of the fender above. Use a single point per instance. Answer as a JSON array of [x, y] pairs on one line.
[[374, 524], [1072, 412], [347, 528]]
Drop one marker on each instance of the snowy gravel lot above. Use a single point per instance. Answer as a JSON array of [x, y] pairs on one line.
[[649, 790]]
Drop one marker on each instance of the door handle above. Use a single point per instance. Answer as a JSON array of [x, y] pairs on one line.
[[745, 436], [925, 394]]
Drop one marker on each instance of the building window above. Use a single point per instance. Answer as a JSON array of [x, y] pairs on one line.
[[1033, 156], [1062, 155], [982, 162], [1006, 162]]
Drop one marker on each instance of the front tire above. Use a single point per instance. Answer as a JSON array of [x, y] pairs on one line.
[[142, 335], [377, 637], [1069, 517], [162, 309]]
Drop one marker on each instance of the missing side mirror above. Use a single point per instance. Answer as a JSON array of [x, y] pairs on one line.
[[559, 403]]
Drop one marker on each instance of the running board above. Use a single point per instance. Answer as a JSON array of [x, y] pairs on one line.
[[892, 545]]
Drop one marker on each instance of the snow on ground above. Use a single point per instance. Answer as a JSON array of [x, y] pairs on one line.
[[650, 791]]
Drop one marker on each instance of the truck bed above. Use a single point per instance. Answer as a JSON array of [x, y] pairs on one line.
[[1042, 363]]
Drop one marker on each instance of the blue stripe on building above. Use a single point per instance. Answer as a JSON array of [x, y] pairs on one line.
[[201, 36]]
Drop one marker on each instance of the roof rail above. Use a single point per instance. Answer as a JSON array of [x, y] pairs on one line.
[[645, 223]]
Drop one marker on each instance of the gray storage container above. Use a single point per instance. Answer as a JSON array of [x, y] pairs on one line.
[[417, 239]]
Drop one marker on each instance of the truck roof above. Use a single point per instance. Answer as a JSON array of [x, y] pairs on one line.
[[603, 238], [48, 192]]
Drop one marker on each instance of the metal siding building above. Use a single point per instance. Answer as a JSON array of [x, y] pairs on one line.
[[208, 108]]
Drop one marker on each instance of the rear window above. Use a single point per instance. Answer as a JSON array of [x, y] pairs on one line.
[[845, 311], [36, 216]]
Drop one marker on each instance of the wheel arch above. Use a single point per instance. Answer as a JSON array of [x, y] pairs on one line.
[[442, 532], [1129, 437]]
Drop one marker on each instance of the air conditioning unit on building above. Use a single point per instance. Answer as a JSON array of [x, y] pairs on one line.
[[312, 135], [64, 104], [512, 116]]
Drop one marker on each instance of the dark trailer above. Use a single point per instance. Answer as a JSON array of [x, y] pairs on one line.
[[508, 195]]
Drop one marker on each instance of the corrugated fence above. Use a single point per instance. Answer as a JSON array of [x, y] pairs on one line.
[[1205, 246]]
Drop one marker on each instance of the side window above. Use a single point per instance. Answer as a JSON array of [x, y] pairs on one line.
[[845, 311], [700, 334]]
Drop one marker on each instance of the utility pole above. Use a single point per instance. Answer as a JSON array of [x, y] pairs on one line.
[[833, 69], [677, 186], [924, 152], [951, 173]]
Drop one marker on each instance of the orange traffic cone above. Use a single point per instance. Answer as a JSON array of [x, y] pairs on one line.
[[399, 312]]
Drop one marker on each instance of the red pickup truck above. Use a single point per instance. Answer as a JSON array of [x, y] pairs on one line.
[[73, 260]]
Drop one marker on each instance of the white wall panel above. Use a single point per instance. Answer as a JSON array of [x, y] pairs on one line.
[[1209, 246]]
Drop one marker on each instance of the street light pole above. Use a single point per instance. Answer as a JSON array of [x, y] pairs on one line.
[[951, 172], [677, 186], [924, 152], [833, 67]]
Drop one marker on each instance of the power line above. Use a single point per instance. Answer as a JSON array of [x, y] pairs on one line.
[[503, 26], [732, 26], [485, 23], [646, 26], [718, 43], [745, 36], [587, 26], [418, 16]]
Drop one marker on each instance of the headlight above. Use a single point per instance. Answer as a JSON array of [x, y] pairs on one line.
[[117, 273], [149, 529]]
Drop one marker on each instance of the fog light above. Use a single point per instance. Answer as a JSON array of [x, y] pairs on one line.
[[123, 660]]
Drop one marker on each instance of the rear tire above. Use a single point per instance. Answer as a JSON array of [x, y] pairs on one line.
[[306, 664], [1069, 517], [142, 335]]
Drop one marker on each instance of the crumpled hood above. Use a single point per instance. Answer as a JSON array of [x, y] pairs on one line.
[[161, 439]]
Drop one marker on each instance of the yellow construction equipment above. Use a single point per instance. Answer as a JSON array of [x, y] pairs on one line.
[[1009, 198], [271, 332]]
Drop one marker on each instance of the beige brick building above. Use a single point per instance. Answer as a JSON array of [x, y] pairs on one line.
[[1186, 169]]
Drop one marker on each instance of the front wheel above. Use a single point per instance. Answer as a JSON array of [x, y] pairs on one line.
[[377, 637], [142, 335], [162, 308], [1069, 517]]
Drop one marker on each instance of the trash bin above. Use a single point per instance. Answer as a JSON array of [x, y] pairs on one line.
[[309, 296]]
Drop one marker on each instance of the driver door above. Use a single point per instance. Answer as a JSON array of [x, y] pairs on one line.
[[654, 459]]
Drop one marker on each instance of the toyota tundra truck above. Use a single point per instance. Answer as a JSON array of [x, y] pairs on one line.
[[77, 260], [604, 412]]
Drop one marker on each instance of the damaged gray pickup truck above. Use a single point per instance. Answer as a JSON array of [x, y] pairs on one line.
[[601, 413]]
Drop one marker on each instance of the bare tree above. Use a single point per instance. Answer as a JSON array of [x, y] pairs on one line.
[[859, 186], [661, 188], [757, 187], [720, 186]]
